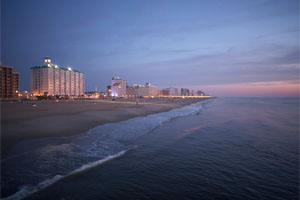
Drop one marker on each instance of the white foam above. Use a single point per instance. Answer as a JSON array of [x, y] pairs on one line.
[[29, 190], [98, 162]]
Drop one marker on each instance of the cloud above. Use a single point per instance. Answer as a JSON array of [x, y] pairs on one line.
[[263, 63], [253, 89]]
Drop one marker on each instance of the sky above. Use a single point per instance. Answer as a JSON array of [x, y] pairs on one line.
[[225, 48]]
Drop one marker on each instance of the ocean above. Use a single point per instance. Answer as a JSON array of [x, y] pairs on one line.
[[223, 148]]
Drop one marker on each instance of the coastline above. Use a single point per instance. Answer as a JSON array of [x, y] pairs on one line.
[[22, 121]]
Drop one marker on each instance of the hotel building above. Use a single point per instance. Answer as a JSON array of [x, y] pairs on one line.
[[51, 79], [146, 90], [10, 84], [118, 87]]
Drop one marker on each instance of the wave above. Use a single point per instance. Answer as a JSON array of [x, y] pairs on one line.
[[97, 162], [29, 190]]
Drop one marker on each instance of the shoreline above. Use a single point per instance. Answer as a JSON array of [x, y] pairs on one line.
[[22, 121]]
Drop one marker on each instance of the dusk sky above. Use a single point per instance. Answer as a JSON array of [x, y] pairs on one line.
[[225, 48]]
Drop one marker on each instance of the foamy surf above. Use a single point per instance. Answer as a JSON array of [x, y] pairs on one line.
[[29, 190], [98, 162]]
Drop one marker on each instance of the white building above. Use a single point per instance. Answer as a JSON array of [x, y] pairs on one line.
[[118, 87], [50, 79]]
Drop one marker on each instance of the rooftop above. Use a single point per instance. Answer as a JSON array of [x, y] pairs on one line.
[[52, 66]]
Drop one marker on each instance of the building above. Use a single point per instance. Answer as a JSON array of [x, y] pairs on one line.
[[185, 92], [118, 87], [108, 91], [51, 79], [130, 91], [174, 92], [192, 93], [10, 83], [92, 95], [146, 90], [200, 93], [169, 92], [95, 95], [25, 95], [165, 92]]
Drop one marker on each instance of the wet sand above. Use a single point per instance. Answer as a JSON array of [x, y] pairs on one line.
[[21, 121]]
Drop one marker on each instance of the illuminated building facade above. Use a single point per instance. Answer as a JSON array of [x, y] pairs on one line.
[[50, 79], [118, 87], [10, 84]]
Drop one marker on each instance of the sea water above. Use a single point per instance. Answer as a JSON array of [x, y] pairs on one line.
[[225, 148]]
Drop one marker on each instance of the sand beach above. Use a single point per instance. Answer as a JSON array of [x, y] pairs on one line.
[[40, 119]]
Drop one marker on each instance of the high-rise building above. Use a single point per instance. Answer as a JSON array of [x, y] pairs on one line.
[[170, 91], [174, 91], [51, 79], [10, 84], [192, 93], [185, 92], [118, 87], [165, 92]]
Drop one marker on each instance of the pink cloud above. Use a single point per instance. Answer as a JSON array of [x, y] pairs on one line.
[[254, 89]]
